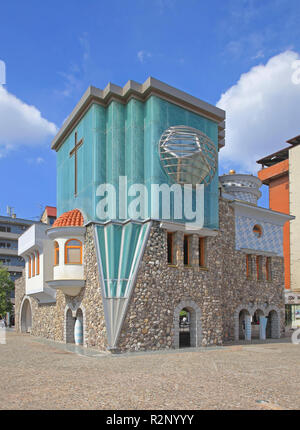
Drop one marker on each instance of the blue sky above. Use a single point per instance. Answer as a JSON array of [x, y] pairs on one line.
[[54, 50]]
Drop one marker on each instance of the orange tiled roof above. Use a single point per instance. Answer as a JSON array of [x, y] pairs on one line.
[[71, 218]]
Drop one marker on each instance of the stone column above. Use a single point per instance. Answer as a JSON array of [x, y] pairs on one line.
[[262, 327], [247, 327], [179, 248]]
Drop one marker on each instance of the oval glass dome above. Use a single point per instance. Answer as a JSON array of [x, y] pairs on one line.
[[187, 155]]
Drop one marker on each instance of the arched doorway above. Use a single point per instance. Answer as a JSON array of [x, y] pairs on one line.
[[258, 325], [26, 317], [187, 325], [244, 332], [70, 324], [184, 328], [273, 325], [78, 327]]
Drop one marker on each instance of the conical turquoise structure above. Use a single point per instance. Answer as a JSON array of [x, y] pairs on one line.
[[119, 250]]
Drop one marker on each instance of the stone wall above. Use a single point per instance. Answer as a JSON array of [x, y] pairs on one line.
[[213, 294], [49, 320], [217, 290], [237, 290], [46, 318], [160, 288]]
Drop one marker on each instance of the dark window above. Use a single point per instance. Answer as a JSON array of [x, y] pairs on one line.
[[4, 228], [257, 230], [258, 267], [4, 260], [268, 269], [186, 253], [201, 251], [248, 266], [170, 240]]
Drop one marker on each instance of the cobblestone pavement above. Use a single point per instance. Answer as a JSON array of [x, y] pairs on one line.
[[37, 374]]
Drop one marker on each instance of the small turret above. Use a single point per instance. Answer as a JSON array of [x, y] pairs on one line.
[[241, 186]]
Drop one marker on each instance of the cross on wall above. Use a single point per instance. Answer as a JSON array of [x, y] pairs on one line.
[[74, 152]]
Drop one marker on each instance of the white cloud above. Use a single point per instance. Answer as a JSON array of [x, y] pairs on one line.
[[37, 160], [143, 55], [76, 76], [21, 124], [258, 55], [262, 112]]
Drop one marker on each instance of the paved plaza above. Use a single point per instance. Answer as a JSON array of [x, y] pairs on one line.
[[39, 374]]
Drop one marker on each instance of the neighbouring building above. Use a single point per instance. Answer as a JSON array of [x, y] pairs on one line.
[[140, 256], [11, 228], [280, 171], [49, 215]]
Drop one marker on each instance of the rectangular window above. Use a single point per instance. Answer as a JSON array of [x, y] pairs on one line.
[[186, 250], [74, 255], [258, 267], [201, 252], [248, 266], [29, 267], [37, 263], [170, 245], [33, 265], [268, 269], [4, 260]]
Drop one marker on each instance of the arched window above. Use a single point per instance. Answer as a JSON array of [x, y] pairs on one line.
[[33, 264], [56, 253], [29, 267], [37, 263], [73, 252]]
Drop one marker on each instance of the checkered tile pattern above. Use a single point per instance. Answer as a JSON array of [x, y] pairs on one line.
[[248, 197], [270, 241]]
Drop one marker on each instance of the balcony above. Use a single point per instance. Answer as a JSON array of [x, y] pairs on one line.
[[32, 241], [68, 275], [70, 287], [32, 238], [8, 235], [9, 251]]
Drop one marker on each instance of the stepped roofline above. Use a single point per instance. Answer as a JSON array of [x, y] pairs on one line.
[[141, 92]]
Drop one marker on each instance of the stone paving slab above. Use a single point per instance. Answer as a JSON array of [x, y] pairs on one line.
[[41, 374]]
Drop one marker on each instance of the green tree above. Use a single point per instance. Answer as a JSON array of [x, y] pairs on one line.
[[6, 286]]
